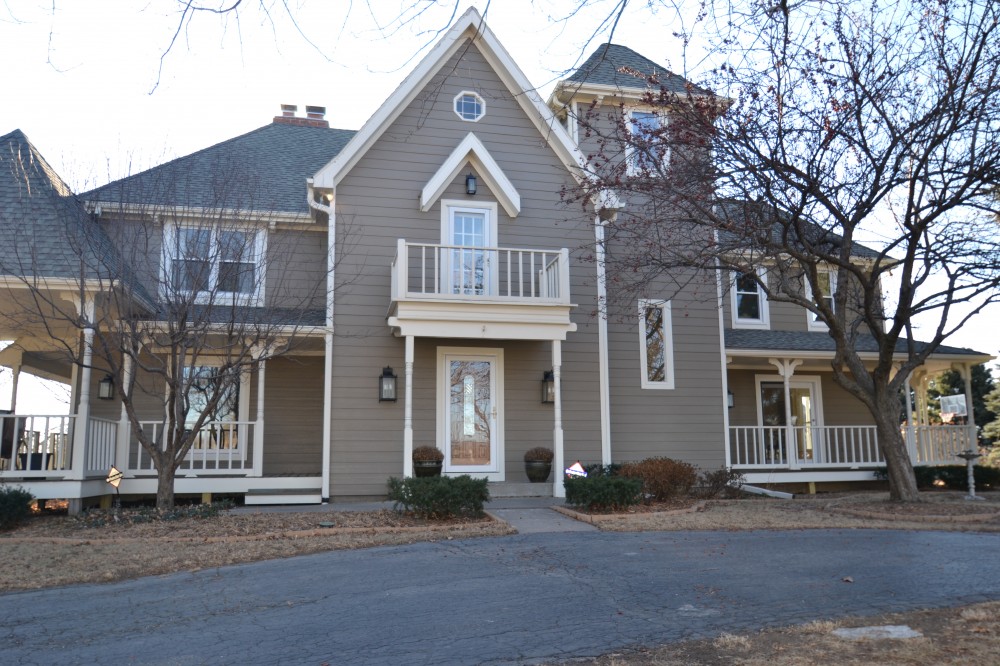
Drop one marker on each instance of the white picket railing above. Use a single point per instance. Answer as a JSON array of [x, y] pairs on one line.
[[421, 270], [39, 445], [220, 447], [102, 438], [853, 446]]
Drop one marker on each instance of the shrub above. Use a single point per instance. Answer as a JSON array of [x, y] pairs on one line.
[[954, 477], [720, 482], [538, 454], [603, 493], [439, 497], [597, 469], [15, 506], [662, 478], [427, 453]]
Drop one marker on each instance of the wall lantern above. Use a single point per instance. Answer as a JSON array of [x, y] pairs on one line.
[[470, 184], [387, 385], [106, 388], [548, 387], [730, 397]]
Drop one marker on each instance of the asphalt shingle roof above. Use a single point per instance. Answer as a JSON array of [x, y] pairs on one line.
[[265, 170], [818, 341], [605, 67]]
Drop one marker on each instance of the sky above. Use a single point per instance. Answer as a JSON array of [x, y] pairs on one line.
[[89, 84]]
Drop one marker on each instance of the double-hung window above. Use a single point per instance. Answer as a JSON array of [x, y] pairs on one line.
[[656, 345], [214, 263], [827, 280], [647, 149], [749, 303]]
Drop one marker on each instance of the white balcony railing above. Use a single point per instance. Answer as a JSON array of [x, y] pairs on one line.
[[36, 445], [454, 272], [852, 447], [220, 447]]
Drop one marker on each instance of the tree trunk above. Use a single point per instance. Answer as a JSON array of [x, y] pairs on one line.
[[902, 482], [165, 487]]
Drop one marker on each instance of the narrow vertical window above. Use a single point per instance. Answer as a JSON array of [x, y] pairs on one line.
[[749, 302], [648, 151], [827, 282], [656, 344]]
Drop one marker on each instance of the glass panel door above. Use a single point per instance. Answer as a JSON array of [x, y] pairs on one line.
[[471, 419], [468, 266], [804, 420]]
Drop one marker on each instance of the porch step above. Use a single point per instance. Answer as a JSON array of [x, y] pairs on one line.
[[520, 490], [259, 496]]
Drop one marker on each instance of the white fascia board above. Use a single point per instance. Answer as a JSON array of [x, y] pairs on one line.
[[471, 150], [470, 25], [865, 356]]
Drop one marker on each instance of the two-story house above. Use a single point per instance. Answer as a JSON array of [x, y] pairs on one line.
[[432, 280]]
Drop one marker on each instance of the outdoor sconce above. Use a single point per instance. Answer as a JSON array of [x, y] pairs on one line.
[[470, 184], [548, 387], [106, 388], [729, 396], [387, 385]]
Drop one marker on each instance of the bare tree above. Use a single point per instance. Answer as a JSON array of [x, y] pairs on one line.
[[834, 123]]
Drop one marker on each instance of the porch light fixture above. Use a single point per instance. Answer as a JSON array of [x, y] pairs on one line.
[[106, 388], [470, 184], [548, 387], [730, 397], [387, 385]]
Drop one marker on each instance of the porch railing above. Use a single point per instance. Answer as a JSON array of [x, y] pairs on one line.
[[102, 438], [220, 447], [853, 446], [36, 445], [421, 270]]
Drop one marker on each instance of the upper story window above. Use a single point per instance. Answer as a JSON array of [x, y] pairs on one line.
[[827, 286], [469, 106], [749, 303], [656, 345], [214, 263], [647, 150]]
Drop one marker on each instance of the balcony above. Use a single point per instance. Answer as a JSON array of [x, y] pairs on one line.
[[480, 292]]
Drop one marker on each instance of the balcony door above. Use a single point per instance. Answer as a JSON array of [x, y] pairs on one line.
[[468, 268], [806, 414], [470, 415]]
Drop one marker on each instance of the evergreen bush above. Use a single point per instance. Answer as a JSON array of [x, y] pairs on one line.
[[603, 493], [15, 506], [439, 497]]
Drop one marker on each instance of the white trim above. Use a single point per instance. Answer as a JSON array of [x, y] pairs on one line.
[[668, 345], [471, 93], [724, 360], [604, 383], [469, 26], [764, 321], [497, 469], [813, 323], [472, 151]]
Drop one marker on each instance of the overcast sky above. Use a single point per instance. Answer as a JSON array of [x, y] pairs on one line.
[[84, 81]]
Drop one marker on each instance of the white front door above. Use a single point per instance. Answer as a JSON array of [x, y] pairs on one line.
[[470, 423], [806, 412]]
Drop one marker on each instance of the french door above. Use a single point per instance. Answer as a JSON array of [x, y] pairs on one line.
[[468, 265], [806, 418]]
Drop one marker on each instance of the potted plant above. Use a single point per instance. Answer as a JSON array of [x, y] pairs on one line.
[[538, 464], [427, 461]]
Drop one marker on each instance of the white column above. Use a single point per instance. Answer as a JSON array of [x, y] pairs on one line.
[[327, 414], [258, 432], [970, 419], [124, 427], [602, 341], [558, 460], [408, 410], [911, 434], [15, 375], [786, 368], [80, 426]]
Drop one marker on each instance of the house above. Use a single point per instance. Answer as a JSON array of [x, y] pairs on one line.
[[428, 255]]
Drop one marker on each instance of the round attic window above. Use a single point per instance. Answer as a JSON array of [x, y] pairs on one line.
[[469, 106]]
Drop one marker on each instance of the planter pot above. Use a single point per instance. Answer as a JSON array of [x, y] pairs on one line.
[[427, 468], [538, 472]]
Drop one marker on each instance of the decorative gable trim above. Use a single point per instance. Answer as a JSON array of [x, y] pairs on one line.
[[469, 26], [472, 151]]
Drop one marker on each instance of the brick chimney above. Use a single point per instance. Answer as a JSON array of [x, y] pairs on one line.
[[315, 116]]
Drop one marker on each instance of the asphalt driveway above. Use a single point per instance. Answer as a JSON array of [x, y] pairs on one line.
[[514, 599]]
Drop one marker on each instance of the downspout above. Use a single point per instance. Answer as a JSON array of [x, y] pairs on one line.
[[331, 263], [724, 360]]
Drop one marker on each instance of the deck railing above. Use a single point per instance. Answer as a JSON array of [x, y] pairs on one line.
[[102, 438], [220, 447], [852, 446], [422, 270], [36, 445]]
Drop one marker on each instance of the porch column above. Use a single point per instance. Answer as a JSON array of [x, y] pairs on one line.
[[911, 435], [558, 462], [15, 375], [327, 414], [408, 410], [258, 431], [124, 440], [82, 421], [786, 368], [970, 420]]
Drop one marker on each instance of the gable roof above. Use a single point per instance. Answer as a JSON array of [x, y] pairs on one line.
[[612, 66], [472, 151], [816, 341], [470, 26], [264, 169], [47, 231]]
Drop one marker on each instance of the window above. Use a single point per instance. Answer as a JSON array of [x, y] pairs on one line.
[[222, 429], [656, 345], [217, 264], [827, 286], [749, 303], [469, 106], [647, 150]]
